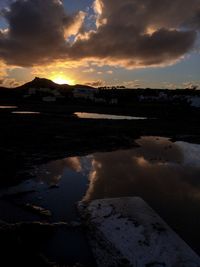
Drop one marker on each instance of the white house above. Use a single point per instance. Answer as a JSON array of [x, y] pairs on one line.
[[52, 95], [99, 100], [114, 101]]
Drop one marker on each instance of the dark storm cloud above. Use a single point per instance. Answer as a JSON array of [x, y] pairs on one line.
[[194, 22], [133, 49], [141, 33], [132, 33], [37, 31]]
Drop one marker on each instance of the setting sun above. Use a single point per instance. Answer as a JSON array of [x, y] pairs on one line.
[[61, 79]]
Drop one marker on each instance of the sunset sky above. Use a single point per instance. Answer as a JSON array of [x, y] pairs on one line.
[[135, 43]]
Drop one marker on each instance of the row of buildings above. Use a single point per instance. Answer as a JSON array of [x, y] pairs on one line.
[[114, 97], [45, 94]]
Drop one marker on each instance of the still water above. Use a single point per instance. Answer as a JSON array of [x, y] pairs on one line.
[[165, 174], [97, 116], [25, 112]]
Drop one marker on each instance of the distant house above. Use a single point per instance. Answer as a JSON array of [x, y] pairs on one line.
[[114, 101], [85, 93], [93, 95], [161, 96], [45, 94], [99, 100]]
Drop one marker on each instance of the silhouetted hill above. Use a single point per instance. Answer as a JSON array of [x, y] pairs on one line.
[[39, 83], [46, 83]]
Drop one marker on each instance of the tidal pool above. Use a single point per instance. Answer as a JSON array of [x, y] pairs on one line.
[[165, 174], [85, 115]]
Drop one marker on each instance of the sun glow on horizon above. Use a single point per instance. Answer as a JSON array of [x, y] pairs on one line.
[[61, 79]]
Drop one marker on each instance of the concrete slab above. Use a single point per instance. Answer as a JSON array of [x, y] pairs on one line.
[[127, 232]]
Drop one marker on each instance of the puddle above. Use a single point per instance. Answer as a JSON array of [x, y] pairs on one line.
[[26, 112], [85, 115], [8, 107]]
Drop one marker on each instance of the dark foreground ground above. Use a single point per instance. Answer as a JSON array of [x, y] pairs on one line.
[[26, 140]]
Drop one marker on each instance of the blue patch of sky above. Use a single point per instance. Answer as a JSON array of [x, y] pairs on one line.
[[77, 5], [4, 4], [82, 5], [3, 23]]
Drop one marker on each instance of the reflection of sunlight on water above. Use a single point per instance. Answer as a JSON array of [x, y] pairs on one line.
[[26, 112], [85, 115], [153, 167], [52, 172]]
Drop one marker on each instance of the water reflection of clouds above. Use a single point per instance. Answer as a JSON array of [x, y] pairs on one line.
[[157, 149], [52, 172], [157, 170]]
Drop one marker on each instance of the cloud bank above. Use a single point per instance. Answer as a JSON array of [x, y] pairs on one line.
[[131, 33]]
